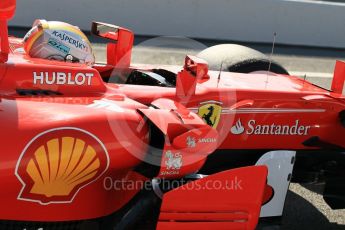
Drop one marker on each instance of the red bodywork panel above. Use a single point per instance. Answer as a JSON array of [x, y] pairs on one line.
[[248, 101], [34, 123]]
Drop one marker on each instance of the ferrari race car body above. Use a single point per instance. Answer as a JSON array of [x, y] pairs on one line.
[[77, 148]]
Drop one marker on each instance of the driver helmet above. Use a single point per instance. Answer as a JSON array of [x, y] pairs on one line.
[[60, 41]]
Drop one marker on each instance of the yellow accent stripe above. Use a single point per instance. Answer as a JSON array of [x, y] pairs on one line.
[[33, 39], [86, 178], [32, 170], [87, 158], [53, 153], [42, 162], [93, 168], [66, 150], [76, 155]]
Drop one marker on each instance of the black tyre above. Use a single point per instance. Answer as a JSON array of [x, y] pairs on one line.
[[237, 58]]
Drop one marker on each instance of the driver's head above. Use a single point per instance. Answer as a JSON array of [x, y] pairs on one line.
[[58, 41]]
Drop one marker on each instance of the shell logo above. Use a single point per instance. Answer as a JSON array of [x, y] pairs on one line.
[[58, 163]]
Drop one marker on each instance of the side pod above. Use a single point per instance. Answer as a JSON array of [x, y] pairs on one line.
[[228, 200]]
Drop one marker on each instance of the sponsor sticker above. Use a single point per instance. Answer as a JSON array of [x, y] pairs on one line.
[[62, 78], [58, 46], [210, 113], [71, 40], [173, 163], [253, 128], [192, 142], [207, 140], [58, 163]]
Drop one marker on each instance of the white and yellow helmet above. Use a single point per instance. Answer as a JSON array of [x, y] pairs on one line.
[[58, 41]]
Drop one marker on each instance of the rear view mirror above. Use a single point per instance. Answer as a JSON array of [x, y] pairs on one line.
[[105, 30], [7, 9], [119, 48]]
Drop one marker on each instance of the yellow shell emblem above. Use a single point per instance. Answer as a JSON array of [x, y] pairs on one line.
[[210, 113], [57, 164]]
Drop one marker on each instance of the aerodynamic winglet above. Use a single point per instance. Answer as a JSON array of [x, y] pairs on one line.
[[339, 77]]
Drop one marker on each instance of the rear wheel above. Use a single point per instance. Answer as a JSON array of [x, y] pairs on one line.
[[241, 59]]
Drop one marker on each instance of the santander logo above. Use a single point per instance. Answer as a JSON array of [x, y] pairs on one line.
[[237, 128], [252, 128]]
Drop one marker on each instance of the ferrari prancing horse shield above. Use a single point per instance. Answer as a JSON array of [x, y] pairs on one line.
[[210, 113]]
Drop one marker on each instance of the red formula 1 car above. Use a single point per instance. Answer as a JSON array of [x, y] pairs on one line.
[[169, 147]]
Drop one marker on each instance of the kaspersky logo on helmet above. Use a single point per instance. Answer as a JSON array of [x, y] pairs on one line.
[[57, 164], [68, 38], [253, 128]]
